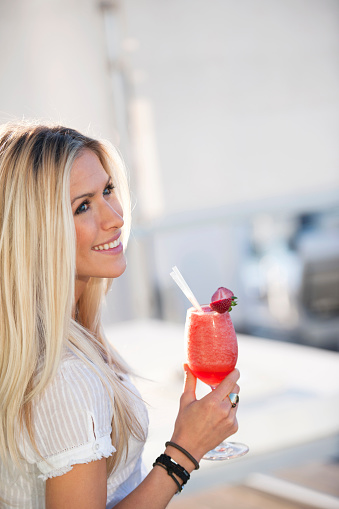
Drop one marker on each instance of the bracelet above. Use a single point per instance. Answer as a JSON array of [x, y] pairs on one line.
[[171, 475], [173, 467], [189, 456]]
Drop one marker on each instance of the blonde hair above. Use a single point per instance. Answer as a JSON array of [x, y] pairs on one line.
[[37, 267]]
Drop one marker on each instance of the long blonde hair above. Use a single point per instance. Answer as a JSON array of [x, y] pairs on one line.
[[37, 270]]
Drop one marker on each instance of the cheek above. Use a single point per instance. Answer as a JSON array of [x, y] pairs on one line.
[[83, 236]]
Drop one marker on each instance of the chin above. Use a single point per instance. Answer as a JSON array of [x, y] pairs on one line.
[[116, 272], [106, 270]]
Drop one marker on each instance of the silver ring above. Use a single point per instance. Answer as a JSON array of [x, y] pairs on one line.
[[234, 399]]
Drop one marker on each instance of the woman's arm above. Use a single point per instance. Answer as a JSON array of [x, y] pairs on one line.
[[85, 487], [200, 426]]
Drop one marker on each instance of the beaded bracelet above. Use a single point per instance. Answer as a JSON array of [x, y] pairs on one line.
[[189, 456], [173, 467]]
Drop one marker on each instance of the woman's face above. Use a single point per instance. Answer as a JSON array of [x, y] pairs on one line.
[[98, 220]]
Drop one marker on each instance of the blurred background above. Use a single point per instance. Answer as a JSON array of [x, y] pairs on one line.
[[227, 115]]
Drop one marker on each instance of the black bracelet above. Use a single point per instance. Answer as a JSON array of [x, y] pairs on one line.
[[189, 456], [173, 467], [171, 475]]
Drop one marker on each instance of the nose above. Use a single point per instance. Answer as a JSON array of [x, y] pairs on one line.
[[111, 215]]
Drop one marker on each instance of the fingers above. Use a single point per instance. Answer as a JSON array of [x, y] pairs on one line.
[[236, 389], [203, 423], [189, 386], [229, 384]]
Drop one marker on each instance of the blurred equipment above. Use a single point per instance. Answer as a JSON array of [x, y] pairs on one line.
[[291, 278]]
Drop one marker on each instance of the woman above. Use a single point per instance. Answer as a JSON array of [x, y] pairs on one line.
[[72, 426]]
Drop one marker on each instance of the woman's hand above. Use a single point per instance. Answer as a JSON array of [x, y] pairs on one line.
[[202, 424]]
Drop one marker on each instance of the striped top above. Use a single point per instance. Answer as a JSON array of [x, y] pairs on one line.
[[72, 423]]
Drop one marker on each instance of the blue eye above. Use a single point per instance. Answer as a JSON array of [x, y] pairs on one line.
[[108, 189], [83, 207]]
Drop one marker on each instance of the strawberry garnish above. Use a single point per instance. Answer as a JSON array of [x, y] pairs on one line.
[[223, 300]]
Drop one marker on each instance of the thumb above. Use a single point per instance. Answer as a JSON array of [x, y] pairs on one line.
[[189, 386]]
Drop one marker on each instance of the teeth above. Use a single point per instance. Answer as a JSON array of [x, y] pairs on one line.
[[105, 247]]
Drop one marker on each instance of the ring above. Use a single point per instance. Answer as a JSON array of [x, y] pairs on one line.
[[234, 399]]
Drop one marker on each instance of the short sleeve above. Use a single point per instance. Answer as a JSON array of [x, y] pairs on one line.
[[72, 420]]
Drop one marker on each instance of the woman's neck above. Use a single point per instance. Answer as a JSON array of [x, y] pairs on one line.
[[80, 285]]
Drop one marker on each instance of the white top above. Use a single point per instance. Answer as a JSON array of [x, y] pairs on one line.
[[73, 425]]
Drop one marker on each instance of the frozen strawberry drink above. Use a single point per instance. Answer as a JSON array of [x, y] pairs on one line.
[[211, 342], [212, 353], [212, 348]]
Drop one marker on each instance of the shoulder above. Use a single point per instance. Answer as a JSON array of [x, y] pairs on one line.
[[72, 418], [76, 386]]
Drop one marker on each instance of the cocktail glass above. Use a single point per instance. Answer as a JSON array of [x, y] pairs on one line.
[[212, 353]]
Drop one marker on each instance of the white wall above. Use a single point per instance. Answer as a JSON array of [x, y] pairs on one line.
[[53, 64], [244, 97], [237, 108]]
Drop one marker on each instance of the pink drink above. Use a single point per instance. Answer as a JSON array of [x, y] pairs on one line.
[[212, 348]]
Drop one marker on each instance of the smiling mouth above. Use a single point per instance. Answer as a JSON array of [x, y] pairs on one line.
[[106, 247]]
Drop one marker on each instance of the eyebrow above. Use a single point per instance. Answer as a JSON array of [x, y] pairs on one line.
[[89, 195]]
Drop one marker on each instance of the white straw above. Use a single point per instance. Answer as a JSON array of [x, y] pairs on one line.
[[176, 275]]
